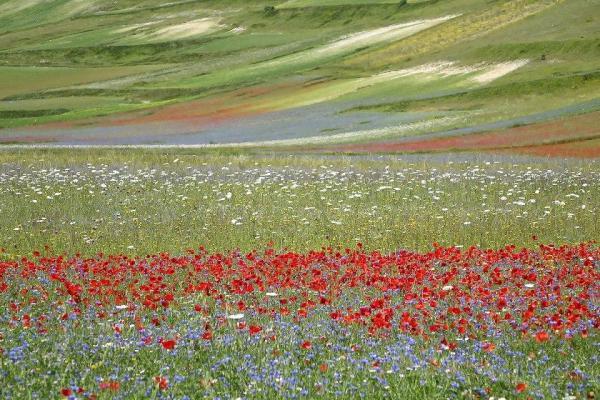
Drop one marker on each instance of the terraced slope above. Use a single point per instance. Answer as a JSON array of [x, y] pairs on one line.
[[313, 74]]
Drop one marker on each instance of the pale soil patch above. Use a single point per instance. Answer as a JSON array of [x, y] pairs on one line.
[[70, 8], [443, 68], [357, 40], [14, 6], [446, 69], [187, 29], [130, 28], [499, 70], [386, 33], [147, 32], [490, 72], [338, 89], [76, 6]]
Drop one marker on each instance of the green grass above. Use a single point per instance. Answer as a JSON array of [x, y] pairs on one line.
[[19, 80], [9, 114], [503, 101], [174, 212], [24, 118], [327, 3], [71, 102]]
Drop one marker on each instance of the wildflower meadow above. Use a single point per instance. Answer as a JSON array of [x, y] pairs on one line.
[[191, 276]]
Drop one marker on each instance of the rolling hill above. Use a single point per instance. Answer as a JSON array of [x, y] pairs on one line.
[[350, 75]]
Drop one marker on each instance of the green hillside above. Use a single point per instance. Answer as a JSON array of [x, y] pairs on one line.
[[410, 67]]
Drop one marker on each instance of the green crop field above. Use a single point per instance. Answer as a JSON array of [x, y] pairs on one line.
[[247, 64]]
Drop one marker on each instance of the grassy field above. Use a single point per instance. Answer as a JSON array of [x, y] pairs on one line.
[[19, 80], [134, 327], [157, 202]]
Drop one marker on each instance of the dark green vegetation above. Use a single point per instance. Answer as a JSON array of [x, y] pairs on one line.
[[471, 61]]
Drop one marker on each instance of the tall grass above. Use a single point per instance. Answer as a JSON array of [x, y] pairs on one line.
[[148, 202]]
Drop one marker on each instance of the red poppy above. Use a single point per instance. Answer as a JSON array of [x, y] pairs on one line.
[[489, 347], [110, 385], [161, 382], [254, 329], [541, 337], [168, 344]]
